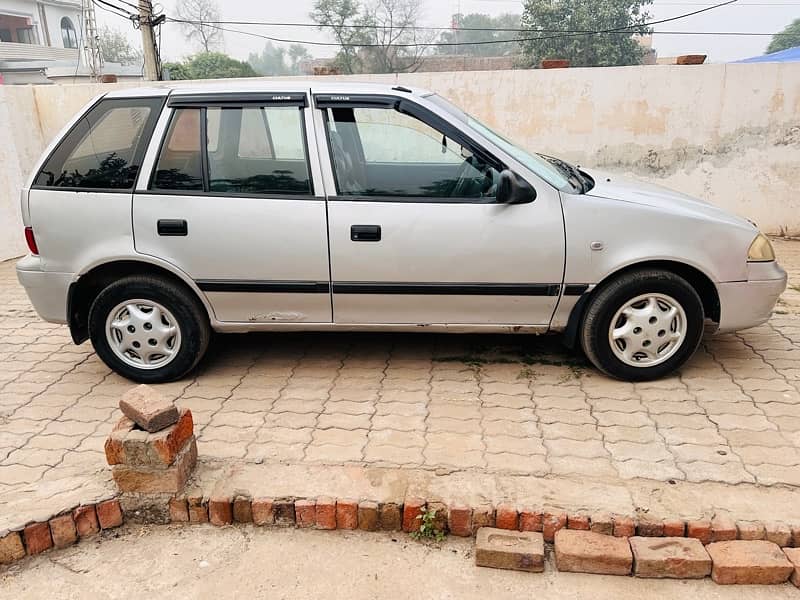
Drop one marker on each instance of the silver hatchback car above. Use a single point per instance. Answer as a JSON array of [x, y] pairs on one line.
[[159, 215]]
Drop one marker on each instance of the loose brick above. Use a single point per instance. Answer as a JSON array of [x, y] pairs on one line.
[[390, 516], [178, 510], [504, 549], [220, 511], [284, 513], [157, 480], [63, 532], [623, 526], [649, 527], [699, 529], [148, 408], [530, 519], [412, 514], [242, 509], [589, 552], [346, 514], [326, 513], [778, 533], [750, 530], [460, 520], [723, 528], [114, 449], [795, 536], [672, 557], [167, 444], [262, 510], [85, 518], [674, 528], [11, 548], [37, 538], [552, 522], [601, 522], [305, 513], [198, 510], [748, 562], [482, 516], [578, 521], [506, 516], [793, 554], [368, 516], [109, 514]]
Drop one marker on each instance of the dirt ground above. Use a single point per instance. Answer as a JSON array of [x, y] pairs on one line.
[[245, 562]]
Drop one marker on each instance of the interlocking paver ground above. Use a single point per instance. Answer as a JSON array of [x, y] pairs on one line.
[[501, 404]]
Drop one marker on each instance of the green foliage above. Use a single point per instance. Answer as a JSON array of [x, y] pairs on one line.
[[480, 21], [338, 17], [273, 60], [427, 529], [584, 50], [209, 65], [115, 47], [789, 39]]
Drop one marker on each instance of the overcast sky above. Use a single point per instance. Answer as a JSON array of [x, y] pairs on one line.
[[768, 16]]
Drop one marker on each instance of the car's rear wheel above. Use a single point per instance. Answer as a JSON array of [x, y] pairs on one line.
[[148, 329], [642, 325]]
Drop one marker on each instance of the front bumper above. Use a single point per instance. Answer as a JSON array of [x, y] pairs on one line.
[[46, 290], [745, 304]]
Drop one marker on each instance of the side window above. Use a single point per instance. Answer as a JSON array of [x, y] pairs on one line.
[[180, 162], [383, 152], [104, 149]]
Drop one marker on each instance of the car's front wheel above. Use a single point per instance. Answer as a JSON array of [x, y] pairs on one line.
[[642, 325], [148, 329]]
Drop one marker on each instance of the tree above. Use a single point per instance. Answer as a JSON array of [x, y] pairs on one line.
[[115, 47], [466, 24], [345, 20], [584, 49], [273, 60], [209, 65], [788, 38], [198, 17]]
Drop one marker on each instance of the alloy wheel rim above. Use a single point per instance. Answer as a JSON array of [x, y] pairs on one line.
[[647, 330], [143, 334]]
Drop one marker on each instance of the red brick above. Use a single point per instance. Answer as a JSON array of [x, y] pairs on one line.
[[262, 511], [601, 522], [750, 530], [284, 513], [623, 526], [578, 521], [589, 552], [109, 514], [674, 528], [63, 532], [552, 522], [673, 557], [530, 520], [723, 529], [778, 533], [368, 516], [439, 510], [220, 511], [649, 527], [37, 538], [11, 548], [157, 480], [795, 536], [346, 514], [168, 443], [699, 529], [506, 517], [326, 513], [178, 510], [793, 554], [460, 521], [412, 514], [390, 516], [148, 408], [114, 448], [198, 510], [305, 513], [502, 549], [85, 518], [482, 516], [748, 562], [242, 510]]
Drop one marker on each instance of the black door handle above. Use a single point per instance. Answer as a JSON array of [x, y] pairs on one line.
[[365, 233], [172, 227]]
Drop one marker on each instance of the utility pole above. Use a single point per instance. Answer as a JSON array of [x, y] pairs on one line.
[[152, 66]]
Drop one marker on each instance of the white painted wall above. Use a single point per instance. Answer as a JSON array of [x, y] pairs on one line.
[[727, 133]]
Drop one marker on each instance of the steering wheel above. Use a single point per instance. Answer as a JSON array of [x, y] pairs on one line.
[[466, 181]]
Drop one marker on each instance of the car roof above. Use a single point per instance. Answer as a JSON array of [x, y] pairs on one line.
[[271, 86]]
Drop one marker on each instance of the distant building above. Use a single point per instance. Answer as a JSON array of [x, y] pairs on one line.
[[432, 63]]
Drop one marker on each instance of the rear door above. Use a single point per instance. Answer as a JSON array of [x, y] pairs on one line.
[[231, 199]]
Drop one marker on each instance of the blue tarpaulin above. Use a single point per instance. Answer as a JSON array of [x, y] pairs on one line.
[[788, 55]]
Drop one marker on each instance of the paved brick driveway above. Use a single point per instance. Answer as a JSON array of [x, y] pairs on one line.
[[492, 403]]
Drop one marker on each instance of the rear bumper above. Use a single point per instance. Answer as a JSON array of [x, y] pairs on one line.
[[745, 304], [46, 290]]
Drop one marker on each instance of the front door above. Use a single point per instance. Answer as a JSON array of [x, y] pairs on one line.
[[231, 201], [416, 236]]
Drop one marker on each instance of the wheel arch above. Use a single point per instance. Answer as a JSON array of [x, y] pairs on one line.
[[85, 288], [700, 281]]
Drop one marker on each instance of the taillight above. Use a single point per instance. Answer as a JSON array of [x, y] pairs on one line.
[[29, 237]]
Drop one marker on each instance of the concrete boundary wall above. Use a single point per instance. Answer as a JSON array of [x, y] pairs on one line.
[[727, 133]]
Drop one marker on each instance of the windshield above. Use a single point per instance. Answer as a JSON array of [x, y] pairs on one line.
[[545, 169]]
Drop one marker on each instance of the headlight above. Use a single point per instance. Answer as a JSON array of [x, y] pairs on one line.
[[761, 250]]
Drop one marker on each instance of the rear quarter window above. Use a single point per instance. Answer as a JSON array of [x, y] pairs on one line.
[[104, 150]]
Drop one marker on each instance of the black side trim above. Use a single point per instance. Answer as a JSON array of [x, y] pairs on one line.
[[449, 289], [575, 289], [355, 101], [238, 99], [264, 287]]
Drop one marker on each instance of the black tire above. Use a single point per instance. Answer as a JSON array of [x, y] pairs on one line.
[[186, 308], [611, 296]]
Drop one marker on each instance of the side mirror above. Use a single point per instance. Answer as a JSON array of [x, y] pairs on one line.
[[513, 189]]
